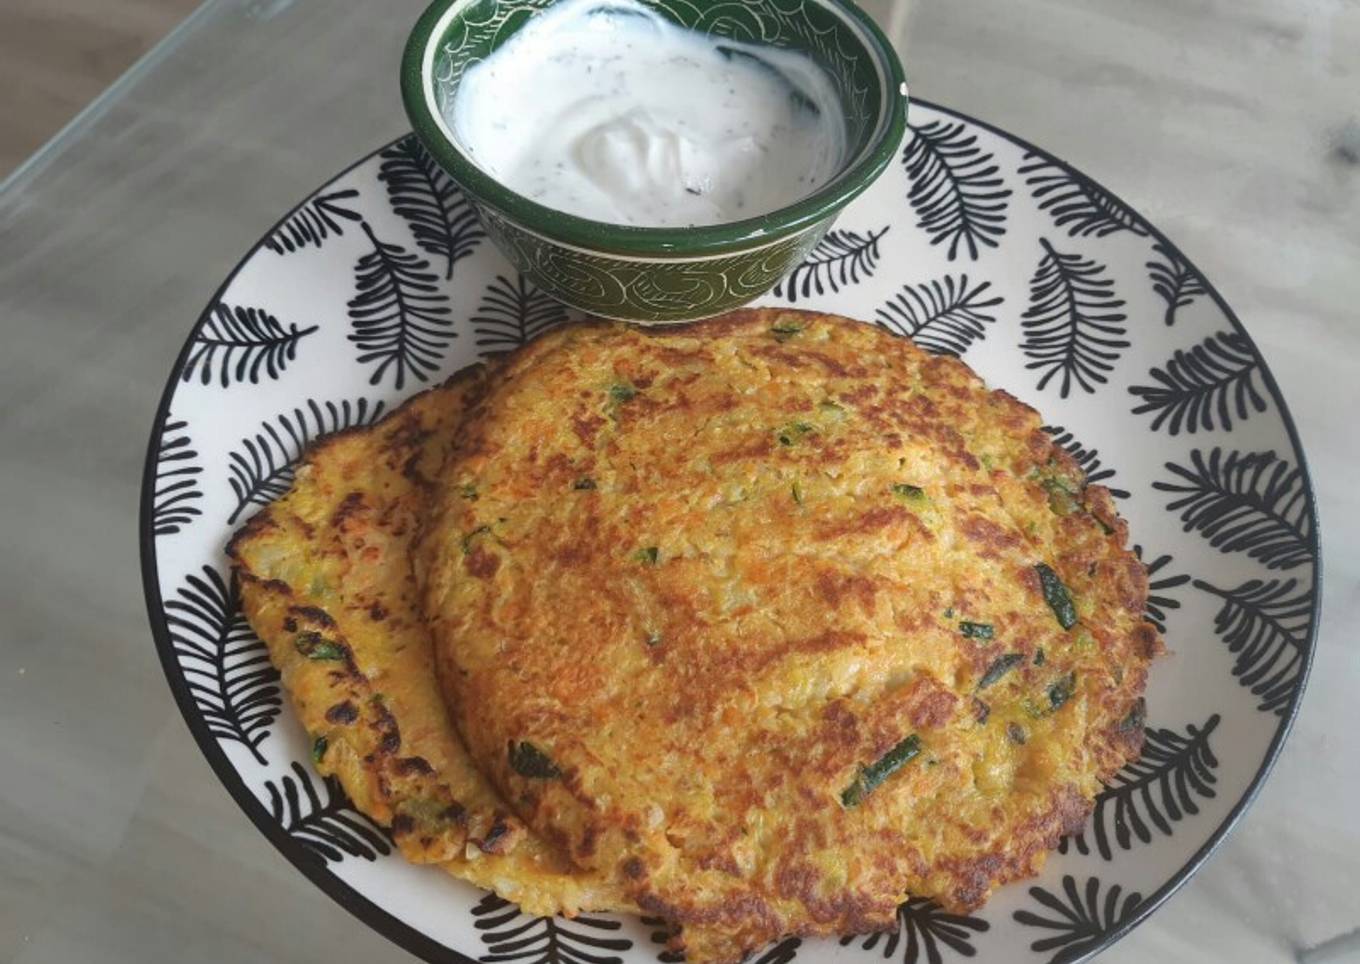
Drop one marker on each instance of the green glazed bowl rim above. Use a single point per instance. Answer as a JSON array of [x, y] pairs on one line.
[[707, 240]]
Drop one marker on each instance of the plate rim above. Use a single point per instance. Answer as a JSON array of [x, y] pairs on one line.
[[432, 951]]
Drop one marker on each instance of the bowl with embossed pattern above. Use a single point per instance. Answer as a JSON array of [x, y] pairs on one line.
[[663, 274]]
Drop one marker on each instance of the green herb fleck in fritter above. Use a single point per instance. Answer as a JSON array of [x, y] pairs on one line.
[[871, 777], [1056, 595], [315, 646], [794, 431], [909, 493], [999, 668], [529, 761]]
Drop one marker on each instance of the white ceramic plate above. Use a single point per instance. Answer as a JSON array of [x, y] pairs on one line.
[[973, 243]]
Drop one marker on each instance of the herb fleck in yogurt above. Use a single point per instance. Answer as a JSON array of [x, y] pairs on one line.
[[604, 109]]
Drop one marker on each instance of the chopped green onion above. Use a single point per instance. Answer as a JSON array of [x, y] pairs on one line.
[[999, 668], [319, 748], [315, 646], [785, 330], [793, 432], [912, 493], [1058, 693], [1061, 499], [797, 493], [468, 491], [529, 761], [653, 638], [1056, 595], [977, 630], [647, 555], [621, 392], [1061, 691], [584, 483], [871, 777]]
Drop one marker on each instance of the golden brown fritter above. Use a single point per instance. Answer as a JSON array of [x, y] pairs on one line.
[[326, 581], [775, 619]]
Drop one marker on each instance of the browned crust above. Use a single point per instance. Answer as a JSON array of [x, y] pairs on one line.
[[724, 921], [363, 737], [319, 447], [1092, 561]]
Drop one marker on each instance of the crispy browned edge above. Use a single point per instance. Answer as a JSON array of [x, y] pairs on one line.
[[381, 737], [1122, 738], [1069, 811]]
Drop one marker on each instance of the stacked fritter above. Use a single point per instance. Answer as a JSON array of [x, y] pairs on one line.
[[758, 625]]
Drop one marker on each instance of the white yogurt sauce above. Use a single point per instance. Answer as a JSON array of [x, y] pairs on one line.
[[603, 109]]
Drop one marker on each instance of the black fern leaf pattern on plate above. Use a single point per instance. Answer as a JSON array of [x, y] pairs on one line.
[[1088, 459], [512, 312], [780, 953], [399, 314], [1073, 326], [177, 478], [1080, 919], [956, 188], [1158, 602], [1265, 624], [441, 219], [1205, 387], [1252, 502], [510, 935], [839, 259], [314, 222], [923, 929], [1157, 790], [328, 828], [944, 316], [1174, 280], [225, 665], [1076, 204], [261, 469], [235, 343], [661, 934]]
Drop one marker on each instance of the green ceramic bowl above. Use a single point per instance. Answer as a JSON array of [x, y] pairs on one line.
[[663, 274]]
